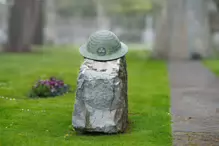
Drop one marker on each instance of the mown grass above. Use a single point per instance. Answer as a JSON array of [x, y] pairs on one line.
[[213, 65], [47, 122]]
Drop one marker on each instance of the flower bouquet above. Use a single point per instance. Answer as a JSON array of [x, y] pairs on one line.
[[49, 88]]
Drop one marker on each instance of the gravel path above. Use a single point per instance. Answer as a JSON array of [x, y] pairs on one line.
[[194, 104]]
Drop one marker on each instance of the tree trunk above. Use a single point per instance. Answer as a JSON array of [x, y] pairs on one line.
[[39, 31], [163, 30], [22, 23], [217, 4], [182, 30]]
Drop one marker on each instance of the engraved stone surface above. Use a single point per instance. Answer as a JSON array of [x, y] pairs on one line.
[[101, 99]]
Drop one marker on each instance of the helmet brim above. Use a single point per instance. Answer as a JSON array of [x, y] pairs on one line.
[[122, 52]]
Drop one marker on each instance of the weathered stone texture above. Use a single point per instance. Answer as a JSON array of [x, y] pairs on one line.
[[101, 98]]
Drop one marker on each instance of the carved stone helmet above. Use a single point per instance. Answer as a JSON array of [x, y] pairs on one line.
[[103, 45]]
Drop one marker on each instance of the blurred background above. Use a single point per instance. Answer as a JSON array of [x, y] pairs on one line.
[[43, 38], [72, 21], [145, 24]]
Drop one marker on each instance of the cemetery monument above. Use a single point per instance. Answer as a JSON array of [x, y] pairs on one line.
[[101, 104]]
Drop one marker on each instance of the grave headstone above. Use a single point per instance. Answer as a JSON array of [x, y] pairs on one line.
[[101, 103]]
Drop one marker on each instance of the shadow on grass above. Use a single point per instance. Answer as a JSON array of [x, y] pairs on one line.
[[128, 130]]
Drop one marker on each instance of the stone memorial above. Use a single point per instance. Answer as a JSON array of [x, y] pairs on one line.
[[101, 104]]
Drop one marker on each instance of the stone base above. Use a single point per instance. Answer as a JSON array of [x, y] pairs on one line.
[[101, 98]]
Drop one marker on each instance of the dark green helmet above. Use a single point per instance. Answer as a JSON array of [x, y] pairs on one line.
[[103, 45]]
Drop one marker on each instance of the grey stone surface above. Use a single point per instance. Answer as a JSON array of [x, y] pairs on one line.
[[194, 104], [101, 99]]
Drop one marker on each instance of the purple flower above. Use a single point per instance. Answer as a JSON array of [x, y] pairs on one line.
[[56, 87], [52, 83], [60, 83]]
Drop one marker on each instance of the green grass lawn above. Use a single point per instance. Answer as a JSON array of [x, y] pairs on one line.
[[47, 122], [213, 65]]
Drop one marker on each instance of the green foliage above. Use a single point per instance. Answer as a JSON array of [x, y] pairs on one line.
[[40, 91], [129, 6], [69, 8], [89, 7], [213, 65], [46, 122]]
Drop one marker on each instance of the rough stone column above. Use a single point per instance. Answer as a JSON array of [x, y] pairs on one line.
[[101, 99]]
